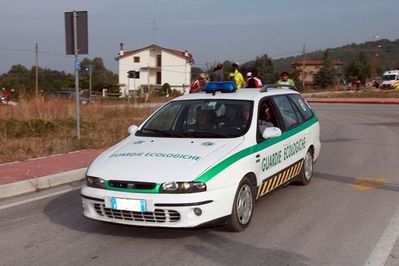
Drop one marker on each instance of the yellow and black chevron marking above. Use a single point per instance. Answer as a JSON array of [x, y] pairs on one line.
[[279, 179]]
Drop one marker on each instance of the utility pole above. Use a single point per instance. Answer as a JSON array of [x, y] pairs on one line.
[[134, 88], [148, 77], [37, 70], [154, 28], [76, 50], [128, 90], [303, 66]]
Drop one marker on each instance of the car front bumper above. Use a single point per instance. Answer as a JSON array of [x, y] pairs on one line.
[[163, 210]]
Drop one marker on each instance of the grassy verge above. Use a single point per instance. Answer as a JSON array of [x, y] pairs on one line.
[[36, 128]]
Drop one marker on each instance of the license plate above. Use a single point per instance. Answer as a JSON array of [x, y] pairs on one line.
[[135, 205]]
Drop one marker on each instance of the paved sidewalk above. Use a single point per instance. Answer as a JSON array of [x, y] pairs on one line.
[[40, 173], [17, 171], [22, 177]]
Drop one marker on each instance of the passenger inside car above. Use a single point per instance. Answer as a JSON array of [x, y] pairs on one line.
[[265, 117]]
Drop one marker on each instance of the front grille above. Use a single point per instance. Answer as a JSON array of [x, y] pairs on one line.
[[158, 216], [131, 184]]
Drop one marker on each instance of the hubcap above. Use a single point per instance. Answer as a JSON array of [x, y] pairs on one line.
[[308, 166], [244, 204]]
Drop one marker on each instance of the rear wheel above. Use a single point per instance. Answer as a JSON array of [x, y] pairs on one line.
[[307, 170], [243, 206]]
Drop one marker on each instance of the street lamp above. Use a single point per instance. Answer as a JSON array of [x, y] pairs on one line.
[[375, 59], [90, 69]]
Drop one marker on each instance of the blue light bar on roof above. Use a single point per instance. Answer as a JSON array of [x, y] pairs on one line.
[[225, 86]]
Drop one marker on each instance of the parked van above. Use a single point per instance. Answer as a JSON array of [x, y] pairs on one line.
[[389, 78]]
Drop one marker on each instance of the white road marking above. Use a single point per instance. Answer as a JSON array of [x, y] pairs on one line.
[[38, 198], [386, 243]]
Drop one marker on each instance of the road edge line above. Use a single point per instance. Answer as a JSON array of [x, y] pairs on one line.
[[385, 244]]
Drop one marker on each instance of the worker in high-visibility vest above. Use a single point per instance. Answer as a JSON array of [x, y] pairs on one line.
[[285, 80], [237, 77]]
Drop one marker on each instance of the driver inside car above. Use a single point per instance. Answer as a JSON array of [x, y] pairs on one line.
[[204, 121], [230, 117]]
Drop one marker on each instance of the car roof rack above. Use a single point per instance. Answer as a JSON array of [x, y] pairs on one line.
[[275, 86]]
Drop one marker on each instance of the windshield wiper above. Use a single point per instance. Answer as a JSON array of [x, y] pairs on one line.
[[200, 134], [164, 132]]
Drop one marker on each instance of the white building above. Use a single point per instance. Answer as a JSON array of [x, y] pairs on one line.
[[155, 66]]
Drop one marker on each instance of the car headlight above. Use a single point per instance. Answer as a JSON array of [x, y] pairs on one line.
[[182, 187], [95, 182]]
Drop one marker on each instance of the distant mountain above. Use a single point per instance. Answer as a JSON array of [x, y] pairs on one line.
[[387, 52]]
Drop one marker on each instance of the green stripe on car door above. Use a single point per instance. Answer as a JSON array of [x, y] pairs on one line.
[[213, 171]]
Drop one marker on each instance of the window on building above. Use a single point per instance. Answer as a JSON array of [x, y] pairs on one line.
[[159, 77], [136, 59], [159, 60]]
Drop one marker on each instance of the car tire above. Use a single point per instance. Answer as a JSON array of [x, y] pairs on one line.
[[306, 173], [243, 206]]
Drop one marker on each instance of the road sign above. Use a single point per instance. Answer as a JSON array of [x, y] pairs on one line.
[[81, 32]]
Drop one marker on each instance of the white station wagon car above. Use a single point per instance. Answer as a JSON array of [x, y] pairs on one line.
[[205, 157]]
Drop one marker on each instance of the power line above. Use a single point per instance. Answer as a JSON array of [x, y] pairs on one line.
[[164, 67]]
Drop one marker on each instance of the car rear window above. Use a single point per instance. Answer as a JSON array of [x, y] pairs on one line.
[[287, 111], [302, 105]]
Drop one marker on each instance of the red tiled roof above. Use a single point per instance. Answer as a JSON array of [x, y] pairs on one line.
[[152, 46], [316, 62]]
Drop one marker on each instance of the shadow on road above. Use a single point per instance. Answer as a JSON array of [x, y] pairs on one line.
[[211, 244], [225, 251], [66, 210]]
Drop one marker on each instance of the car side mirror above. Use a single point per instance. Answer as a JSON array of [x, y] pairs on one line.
[[132, 129], [271, 132]]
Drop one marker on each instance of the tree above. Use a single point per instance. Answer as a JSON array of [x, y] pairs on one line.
[[359, 68], [264, 65], [195, 72], [18, 78], [294, 75], [101, 76], [327, 75], [22, 79]]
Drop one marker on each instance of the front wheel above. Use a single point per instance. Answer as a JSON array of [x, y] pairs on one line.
[[243, 206], [307, 170]]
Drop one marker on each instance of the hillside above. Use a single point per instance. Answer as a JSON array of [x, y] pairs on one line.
[[388, 54]]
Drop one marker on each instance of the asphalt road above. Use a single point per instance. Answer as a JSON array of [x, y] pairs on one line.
[[347, 215]]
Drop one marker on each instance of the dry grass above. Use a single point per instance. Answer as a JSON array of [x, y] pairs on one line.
[[36, 128]]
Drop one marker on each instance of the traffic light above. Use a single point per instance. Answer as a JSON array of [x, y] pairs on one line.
[[132, 74]]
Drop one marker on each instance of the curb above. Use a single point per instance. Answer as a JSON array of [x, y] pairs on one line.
[[39, 183]]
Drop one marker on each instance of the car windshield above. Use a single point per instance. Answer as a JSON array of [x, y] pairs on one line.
[[211, 118], [389, 77]]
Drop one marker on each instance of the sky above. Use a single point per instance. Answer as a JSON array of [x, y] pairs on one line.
[[212, 30]]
